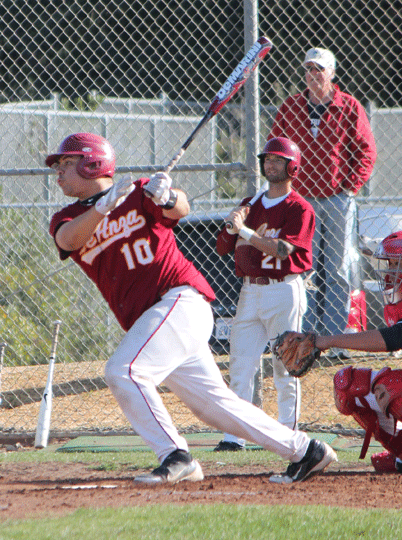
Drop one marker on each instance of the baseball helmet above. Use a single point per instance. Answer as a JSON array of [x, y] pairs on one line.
[[285, 148], [98, 158], [389, 268]]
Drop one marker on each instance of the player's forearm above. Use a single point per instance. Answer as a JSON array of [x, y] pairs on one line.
[[74, 234], [180, 209], [276, 247], [371, 340], [266, 245]]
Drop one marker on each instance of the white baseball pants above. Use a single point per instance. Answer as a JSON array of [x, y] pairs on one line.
[[169, 343], [263, 312]]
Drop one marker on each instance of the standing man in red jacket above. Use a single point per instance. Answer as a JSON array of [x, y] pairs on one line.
[[338, 152]]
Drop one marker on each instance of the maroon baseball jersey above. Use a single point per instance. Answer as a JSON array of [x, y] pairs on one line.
[[132, 257], [292, 219]]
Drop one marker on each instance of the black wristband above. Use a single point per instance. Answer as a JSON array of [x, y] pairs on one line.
[[172, 200], [392, 336]]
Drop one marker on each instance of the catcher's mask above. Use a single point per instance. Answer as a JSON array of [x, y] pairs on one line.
[[285, 148], [389, 268], [98, 158]]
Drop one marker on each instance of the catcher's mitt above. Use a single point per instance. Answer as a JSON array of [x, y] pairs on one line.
[[296, 351]]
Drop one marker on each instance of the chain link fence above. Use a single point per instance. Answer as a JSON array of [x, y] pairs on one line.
[[142, 74]]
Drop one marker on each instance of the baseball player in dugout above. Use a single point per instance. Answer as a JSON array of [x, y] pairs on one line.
[[374, 398], [272, 244], [121, 235], [338, 152]]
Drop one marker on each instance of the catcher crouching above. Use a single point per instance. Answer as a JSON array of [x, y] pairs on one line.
[[373, 398]]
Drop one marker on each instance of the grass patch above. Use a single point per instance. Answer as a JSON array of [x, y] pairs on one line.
[[212, 523], [146, 459]]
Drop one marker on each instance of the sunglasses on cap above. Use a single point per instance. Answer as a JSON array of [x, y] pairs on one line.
[[315, 67]]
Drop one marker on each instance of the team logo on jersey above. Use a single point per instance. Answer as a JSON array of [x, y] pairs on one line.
[[264, 231], [110, 231]]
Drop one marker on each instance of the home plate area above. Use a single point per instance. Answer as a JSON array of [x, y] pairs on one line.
[[50, 488]]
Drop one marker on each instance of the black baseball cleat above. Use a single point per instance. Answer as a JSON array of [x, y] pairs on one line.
[[179, 465], [227, 446], [318, 456]]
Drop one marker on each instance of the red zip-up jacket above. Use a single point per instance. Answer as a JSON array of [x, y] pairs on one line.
[[342, 156]]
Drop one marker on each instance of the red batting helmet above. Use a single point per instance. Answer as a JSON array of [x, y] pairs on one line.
[[389, 270], [98, 158], [285, 148]]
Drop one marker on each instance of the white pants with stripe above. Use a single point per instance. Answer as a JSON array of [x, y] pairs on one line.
[[263, 312], [169, 344]]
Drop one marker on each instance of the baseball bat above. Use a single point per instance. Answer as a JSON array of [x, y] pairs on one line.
[[45, 411], [232, 84], [263, 189], [2, 349]]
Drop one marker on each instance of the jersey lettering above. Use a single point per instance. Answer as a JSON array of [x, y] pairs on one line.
[[271, 263], [263, 230], [110, 231], [142, 252]]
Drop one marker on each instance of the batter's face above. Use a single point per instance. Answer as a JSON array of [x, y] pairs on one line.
[[71, 183], [318, 79], [275, 168]]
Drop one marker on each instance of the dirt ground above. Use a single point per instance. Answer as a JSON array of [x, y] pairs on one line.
[[56, 488], [49, 489]]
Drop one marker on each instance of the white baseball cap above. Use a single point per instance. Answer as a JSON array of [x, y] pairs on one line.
[[322, 57]]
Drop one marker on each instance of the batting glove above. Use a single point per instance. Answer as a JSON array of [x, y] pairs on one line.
[[158, 188], [116, 195]]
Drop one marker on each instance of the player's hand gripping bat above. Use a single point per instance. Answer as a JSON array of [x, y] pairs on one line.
[[263, 189]]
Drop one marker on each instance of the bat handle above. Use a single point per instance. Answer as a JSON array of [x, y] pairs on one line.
[[263, 189], [56, 328], [2, 349], [172, 163], [229, 224]]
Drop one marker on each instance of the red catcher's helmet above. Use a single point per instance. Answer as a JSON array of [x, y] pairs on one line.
[[98, 158], [389, 270], [285, 148]]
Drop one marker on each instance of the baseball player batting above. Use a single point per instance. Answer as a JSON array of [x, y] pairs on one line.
[[124, 241]]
